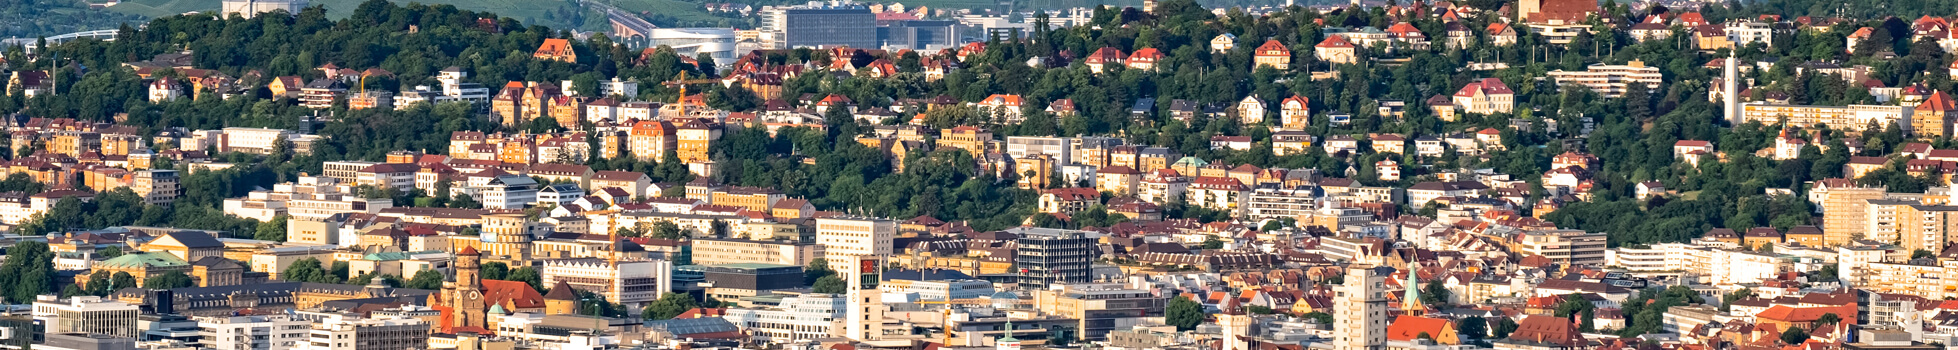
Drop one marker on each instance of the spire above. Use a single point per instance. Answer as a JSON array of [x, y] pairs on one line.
[[1411, 303], [1009, 332]]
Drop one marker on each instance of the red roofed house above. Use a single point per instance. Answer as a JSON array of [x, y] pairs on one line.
[[1784, 316], [1216, 192], [1933, 117], [1274, 54], [1145, 59], [1294, 113], [1100, 58], [1486, 96], [1502, 34], [1409, 328], [1336, 50], [1007, 106], [1560, 21], [556, 50], [1541, 332]]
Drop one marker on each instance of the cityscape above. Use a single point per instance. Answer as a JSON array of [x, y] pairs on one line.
[[845, 175]]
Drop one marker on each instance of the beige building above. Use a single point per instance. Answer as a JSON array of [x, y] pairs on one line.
[[850, 236], [1566, 247], [1851, 117], [718, 251], [1360, 308], [1844, 210], [1097, 306]]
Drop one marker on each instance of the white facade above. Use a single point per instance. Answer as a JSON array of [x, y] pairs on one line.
[[314, 197], [799, 318], [632, 283], [251, 8], [849, 236], [274, 332], [507, 192], [86, 314]]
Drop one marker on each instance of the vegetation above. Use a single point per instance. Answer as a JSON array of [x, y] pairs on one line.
[[1183, 313], [830, 284], [668, 305], [27, 272]]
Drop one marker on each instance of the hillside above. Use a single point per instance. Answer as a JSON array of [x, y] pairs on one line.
[[551, 13]]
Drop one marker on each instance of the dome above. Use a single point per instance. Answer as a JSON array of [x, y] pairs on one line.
[[497, 309]]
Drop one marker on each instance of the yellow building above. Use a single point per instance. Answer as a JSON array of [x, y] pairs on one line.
[[752, 198], [695, 139], [974, 140]]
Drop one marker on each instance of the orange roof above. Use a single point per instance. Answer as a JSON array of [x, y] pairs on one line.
[[511, 294], [1335, 41], [1407, 328], [1147, 53], [1274, 48], [1789, 314], [1938, 101], [554, 47]]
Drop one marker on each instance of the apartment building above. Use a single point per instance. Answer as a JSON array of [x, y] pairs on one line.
[[86, 314], [1926, 227], [798, 318], [1845, 209], [1851, 117], [1565, 247], [630, 283], [1610, 80], [256, 332], [312, 197], [372, 333], [1274, 201], [1360, 308]]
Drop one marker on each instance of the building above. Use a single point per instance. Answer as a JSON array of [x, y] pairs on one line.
[[1486, 96], [1844, 207], [933, 285], [370, 333], [555, 49], [729, 251], [1049, 256], [851, 236], [252, 8], [1273, 54], [1565, 247], [1336, 50], [798, 318], [1099, 308], [736, 281], [630, 283], [1360, 317], [311, 197], [86, 314], [1610, 81], [270, 332], [1851, 117], [507, 192], [819, 27]]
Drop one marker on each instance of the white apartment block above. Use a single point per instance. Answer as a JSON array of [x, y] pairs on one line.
[[373, 333], [1741, 33], [86, 314], [1273, 203], [1851, 117]]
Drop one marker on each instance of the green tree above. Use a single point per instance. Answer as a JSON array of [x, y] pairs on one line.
[[110, 252], [121, 280], [668, 305], [1322, 317], [1435, 293], [830, 284], [528, 275], [1794, 335], [1183, 313], [817, 269], [427, 279], [667, 230], [274, 230], [495, 270], [1504, 327], [1473, 327], [169, 280]]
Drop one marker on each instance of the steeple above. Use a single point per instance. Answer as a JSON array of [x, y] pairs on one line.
[[1411, 302], [1007, 342]]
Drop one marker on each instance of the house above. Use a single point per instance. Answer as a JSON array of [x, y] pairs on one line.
[[1273, 54], [1692, 151], [1336, 50], [1341, 143], [1650, 189], [1429, 146], [1501, 34], [556, 50], [1251, 110], [1003, 106], [1710, 37], [1068, 200], [1223, 43], [1486, 96], [1291, 142], [1231, 142], [1544, 332], [1388, 143], [792, 208], [31, 82], [636, 184], [1145, 59], [1387, 170], [1100, 59], [1294, 113]]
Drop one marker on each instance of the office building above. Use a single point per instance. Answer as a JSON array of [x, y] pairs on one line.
[[1100, 308], [726, 251], [718, 43], [273, 332], [919, 35], [85, 341], [736, 281], [934, 284], [849, 236], [375, 333], [86, 314], [798, 318], [1048, 256], [1565, 247], [631, 283], [819, 26]]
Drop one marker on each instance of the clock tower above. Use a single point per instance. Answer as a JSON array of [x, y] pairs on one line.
[[465, 296]]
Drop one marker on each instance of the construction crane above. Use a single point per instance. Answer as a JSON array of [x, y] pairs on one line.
[[681, 81], [945, 317]]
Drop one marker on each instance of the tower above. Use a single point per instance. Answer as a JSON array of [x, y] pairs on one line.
[[866, 304], [1007, 342], [1411, 301], [1236, 325], [1360, 309], [465, 297], [562, 300], [1730, 88]]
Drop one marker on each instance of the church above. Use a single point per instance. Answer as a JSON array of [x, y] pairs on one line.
[[467, 299]]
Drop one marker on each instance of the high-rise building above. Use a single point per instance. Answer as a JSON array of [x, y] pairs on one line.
[[820, 26], [86, 314], [1360, 309], [849, 236], [274, 332], [1048, 256], [1844, 211]]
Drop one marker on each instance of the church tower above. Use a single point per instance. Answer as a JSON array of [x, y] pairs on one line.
[[1411, 301], [465, 297]]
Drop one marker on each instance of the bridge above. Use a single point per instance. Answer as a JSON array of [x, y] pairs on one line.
[[30, 43], [627, 28]]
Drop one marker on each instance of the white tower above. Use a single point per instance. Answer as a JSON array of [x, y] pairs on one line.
[[866, 313], [1731, 89], [1236, 325], [1360, 309]]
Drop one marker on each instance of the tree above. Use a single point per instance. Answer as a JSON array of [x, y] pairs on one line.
[[1212, 243], [495, 270], [667, 306], [1183, 313], [170, 280], [1505, 327], [830, 284], [1794, 335], [304, 270], [274, 230], [109, 253], [1435, 293], [121, 280], [666, 230], [528, 275], [1473, 327], [817, 269], [1828, 320], [428, 279], [1322, 317]]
